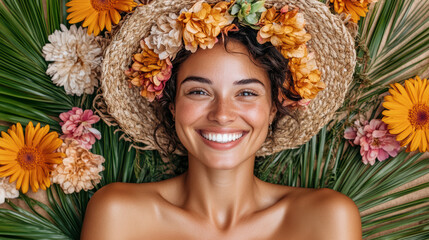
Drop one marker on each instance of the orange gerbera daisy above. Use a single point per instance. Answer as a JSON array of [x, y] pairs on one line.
[[29, 159], [98, 13], [407, 113], [356, 8]]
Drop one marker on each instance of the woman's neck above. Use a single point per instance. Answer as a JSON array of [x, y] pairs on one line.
[[222, 196]]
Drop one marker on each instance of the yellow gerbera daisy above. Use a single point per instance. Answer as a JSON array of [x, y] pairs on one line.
[[29, 159], [407, 113], [98, 13]]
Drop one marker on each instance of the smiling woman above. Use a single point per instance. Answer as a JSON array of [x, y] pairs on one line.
[[220, 101]]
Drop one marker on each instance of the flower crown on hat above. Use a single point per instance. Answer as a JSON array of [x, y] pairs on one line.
[[200, 26]]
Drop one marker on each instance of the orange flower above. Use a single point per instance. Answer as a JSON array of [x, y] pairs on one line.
[[284, 29], [97, 13], [203, 23], [306, 76], [356, 8], [29, 159], [149, 72]]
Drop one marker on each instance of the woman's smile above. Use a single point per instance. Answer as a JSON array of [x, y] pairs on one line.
[[222, 139]]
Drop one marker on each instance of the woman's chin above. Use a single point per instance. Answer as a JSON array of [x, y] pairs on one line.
[[221, 160]]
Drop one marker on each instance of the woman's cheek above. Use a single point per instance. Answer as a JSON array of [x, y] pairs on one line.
[[187, 110], [255, 114]]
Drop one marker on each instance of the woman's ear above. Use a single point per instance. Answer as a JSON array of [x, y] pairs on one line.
[[172, 110], [273, 113]]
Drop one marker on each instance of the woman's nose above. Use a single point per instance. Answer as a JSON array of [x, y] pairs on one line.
[[222, 111]]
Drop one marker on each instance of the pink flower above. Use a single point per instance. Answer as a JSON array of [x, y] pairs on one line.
[[77, 125], [374, 139], [355, 133]]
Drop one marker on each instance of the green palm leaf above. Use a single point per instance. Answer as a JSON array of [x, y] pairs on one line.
[[21, 224], [394, 40], [26, 92]]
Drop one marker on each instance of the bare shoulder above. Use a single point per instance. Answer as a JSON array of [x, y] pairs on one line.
[[120, 208], [331, 215]]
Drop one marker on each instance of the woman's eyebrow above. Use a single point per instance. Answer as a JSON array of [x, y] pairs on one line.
[[196, 79], [248, 81], [208, 81]]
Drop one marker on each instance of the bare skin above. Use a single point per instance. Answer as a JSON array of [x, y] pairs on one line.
[[219, 198]]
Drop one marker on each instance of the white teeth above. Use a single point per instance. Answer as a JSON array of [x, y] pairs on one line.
[[222, 138], [219, 137]]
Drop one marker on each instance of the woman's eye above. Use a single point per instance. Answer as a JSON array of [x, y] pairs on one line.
[[197, 92], [247, 93]]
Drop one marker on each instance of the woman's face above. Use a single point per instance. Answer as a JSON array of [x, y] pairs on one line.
[[223, 106]]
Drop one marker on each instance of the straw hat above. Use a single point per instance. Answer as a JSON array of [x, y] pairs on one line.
[[330, 41]]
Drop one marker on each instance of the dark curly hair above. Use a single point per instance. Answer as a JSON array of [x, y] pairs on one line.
[[264, 55]]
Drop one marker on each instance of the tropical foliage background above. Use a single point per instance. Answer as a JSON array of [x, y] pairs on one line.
[[393, 43]]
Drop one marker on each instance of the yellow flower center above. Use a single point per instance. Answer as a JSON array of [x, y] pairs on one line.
[[419, 116], [29, 157], [102, 5]]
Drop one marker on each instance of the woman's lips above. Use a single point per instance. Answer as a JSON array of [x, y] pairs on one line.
[[222, 140]]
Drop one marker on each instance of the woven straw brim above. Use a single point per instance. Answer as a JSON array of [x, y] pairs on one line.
[[331, 43]]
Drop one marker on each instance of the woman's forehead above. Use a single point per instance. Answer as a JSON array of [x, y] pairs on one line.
[[219, 64]]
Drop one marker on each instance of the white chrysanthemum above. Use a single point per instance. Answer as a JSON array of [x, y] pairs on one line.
[[7, 190], [79, 170], [165, 37], [76, 60]]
